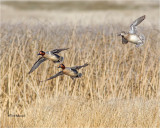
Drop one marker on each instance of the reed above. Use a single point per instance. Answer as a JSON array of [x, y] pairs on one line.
[[119, 88]]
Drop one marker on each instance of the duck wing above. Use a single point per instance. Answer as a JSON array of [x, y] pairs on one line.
[[79, 67], [54, 76], [37, 63], [135, 23], [58, 50]]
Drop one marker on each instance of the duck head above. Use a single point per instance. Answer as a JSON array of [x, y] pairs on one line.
[[61, 66], [41, 53], [122, 33]]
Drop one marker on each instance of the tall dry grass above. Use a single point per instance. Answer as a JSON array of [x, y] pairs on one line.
[[119, 88], [78, 112]]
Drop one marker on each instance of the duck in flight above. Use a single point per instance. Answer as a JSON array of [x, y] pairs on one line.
[[70, 71], [132, 35], [49, 55]]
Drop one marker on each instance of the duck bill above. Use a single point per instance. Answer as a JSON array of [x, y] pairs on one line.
[[38, 54], [59, 66]]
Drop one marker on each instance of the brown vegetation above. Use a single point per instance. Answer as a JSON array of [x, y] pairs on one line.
[[120, 87]]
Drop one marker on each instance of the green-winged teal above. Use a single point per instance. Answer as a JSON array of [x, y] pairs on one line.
[[70, 71], [49, 55], [132, 35]]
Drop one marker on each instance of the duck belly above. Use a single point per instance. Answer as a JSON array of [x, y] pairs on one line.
[[70, 72], [134, 39], [52, 57]]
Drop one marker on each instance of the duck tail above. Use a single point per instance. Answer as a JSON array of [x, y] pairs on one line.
[[61, 59], [79, 74]]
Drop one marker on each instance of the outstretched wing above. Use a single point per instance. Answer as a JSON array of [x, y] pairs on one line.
[[79, 67], [58, 74], [58, 50], [124, 41], [135, 23], [38, 62]]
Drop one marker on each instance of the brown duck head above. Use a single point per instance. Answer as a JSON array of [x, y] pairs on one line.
[[61, 66], [41, 53]]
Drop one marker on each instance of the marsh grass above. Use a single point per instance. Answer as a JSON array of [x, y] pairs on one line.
[[66, 111], [119, 88]]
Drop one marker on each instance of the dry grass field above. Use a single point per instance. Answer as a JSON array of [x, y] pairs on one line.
[[119, 88]]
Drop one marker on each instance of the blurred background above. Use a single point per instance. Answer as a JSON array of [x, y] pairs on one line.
[[83, 5], [82, 13], [51, 7]]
